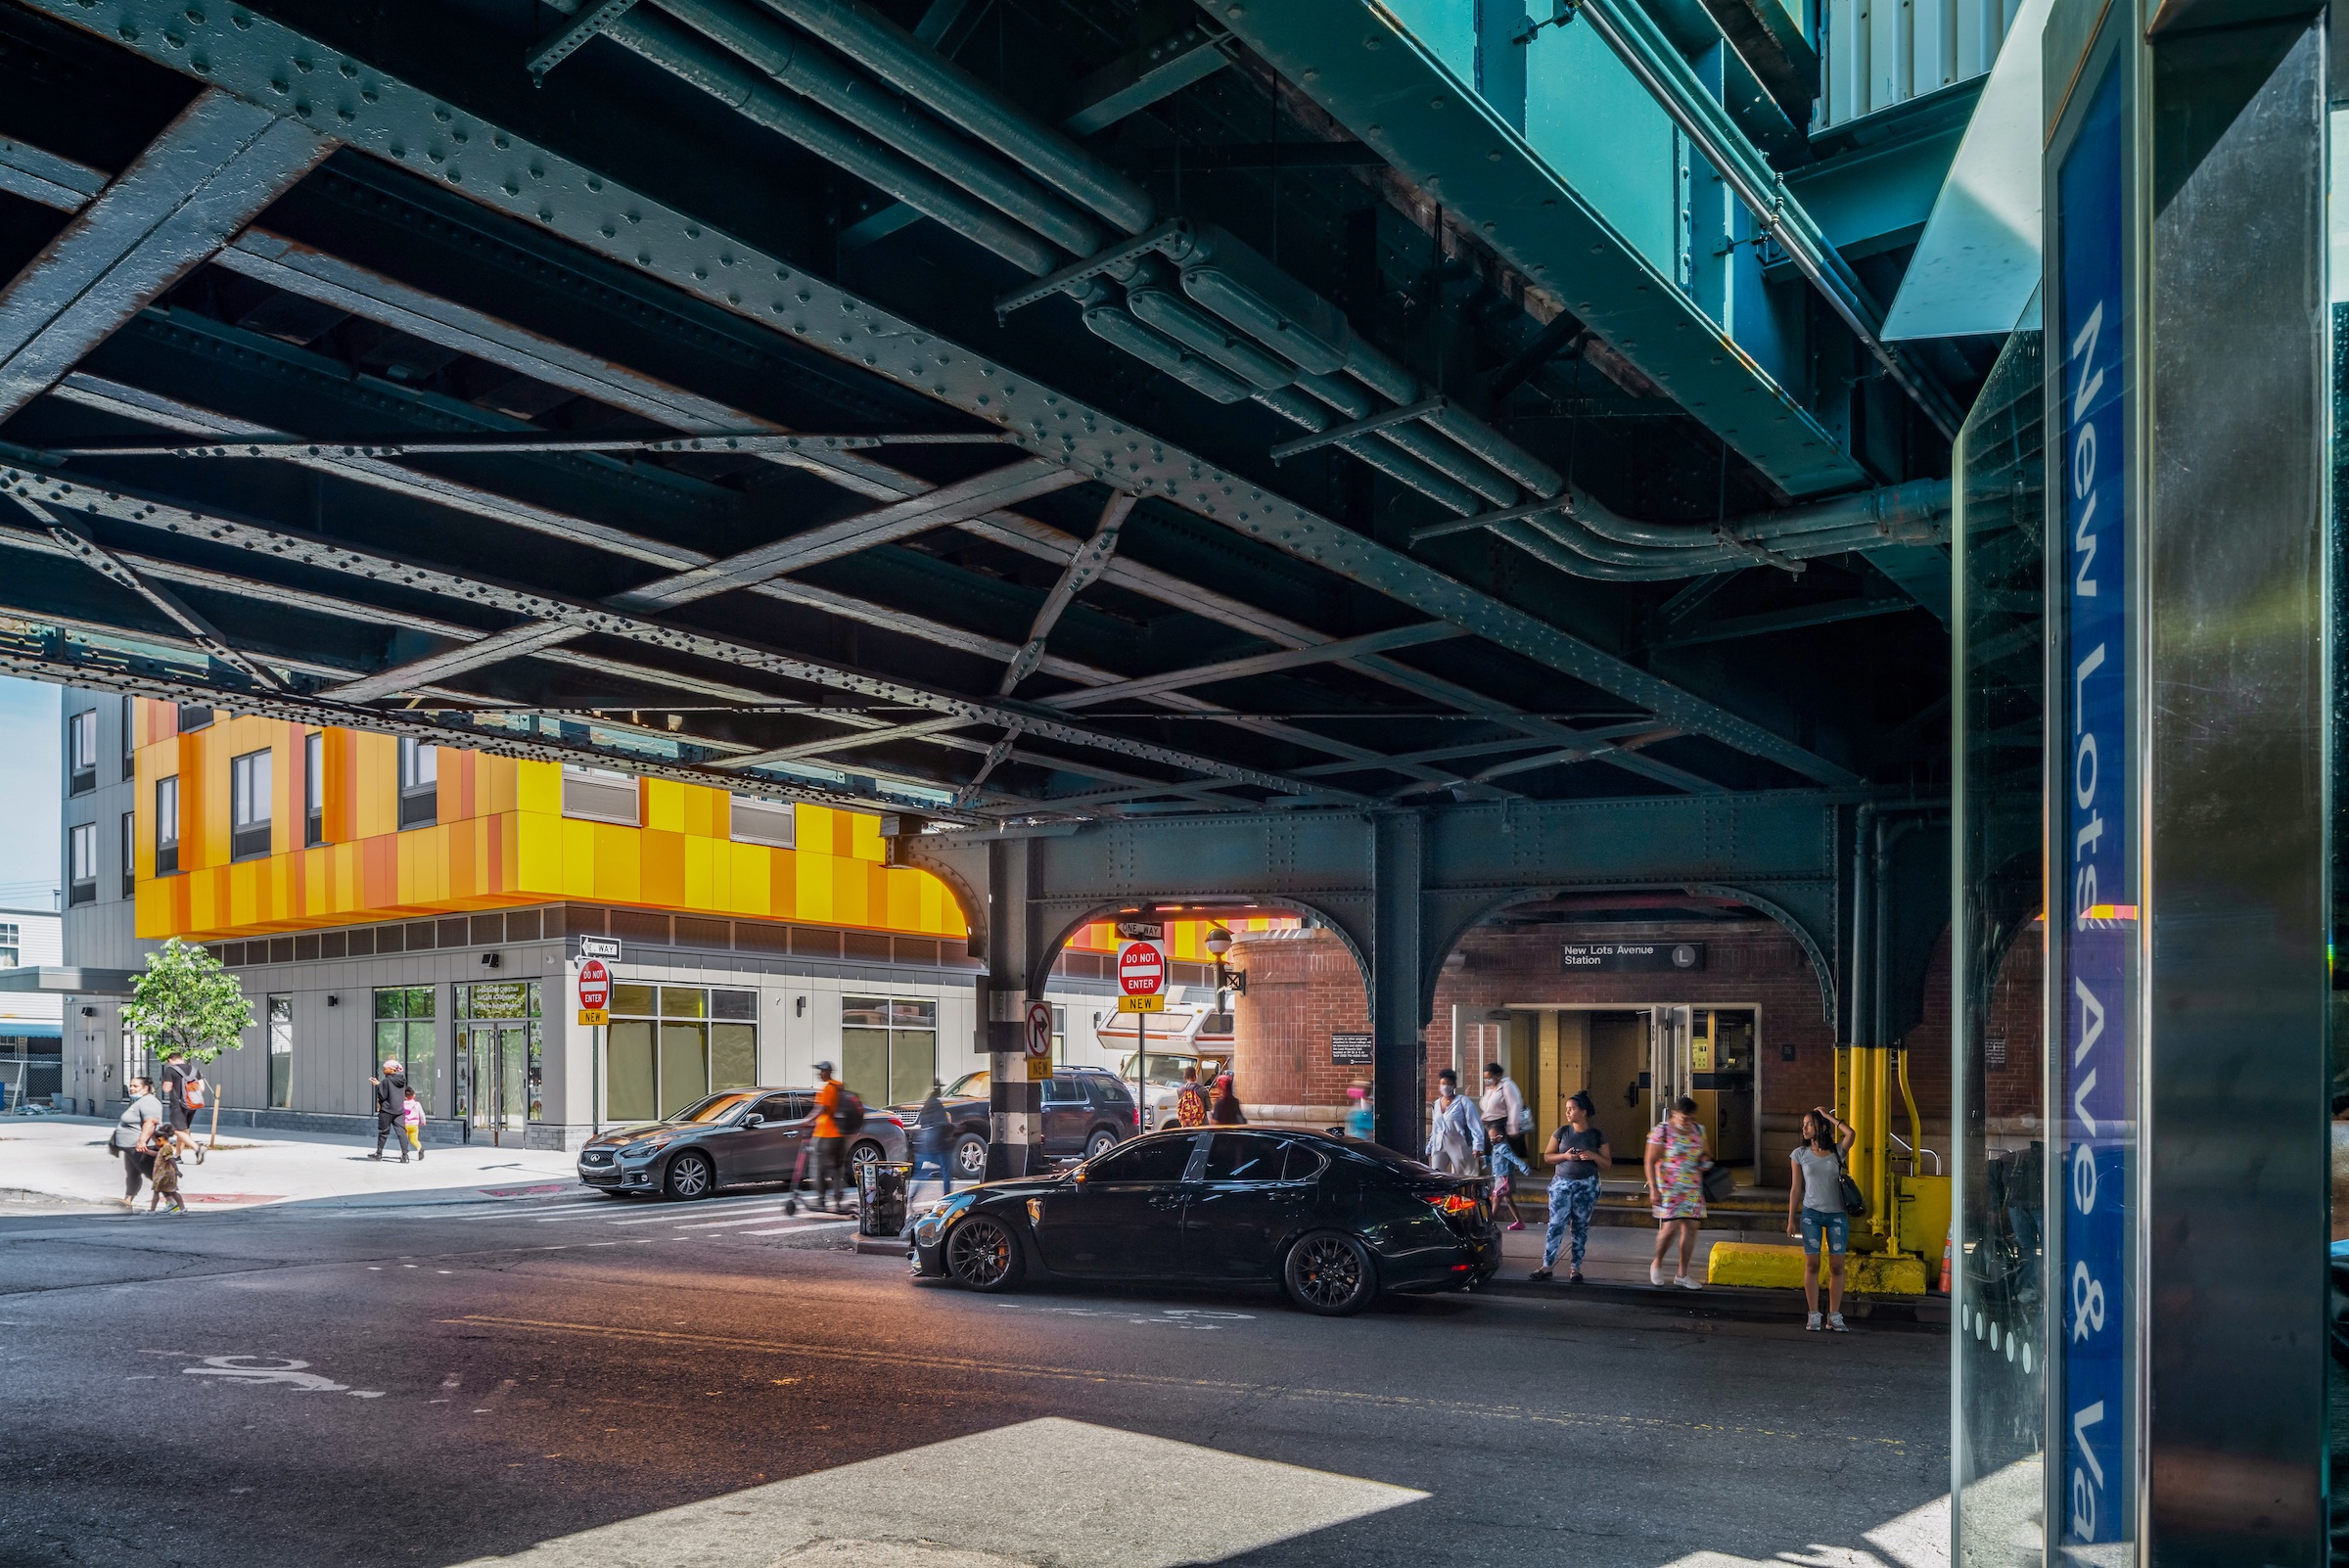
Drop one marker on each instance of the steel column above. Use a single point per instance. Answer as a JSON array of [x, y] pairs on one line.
[[1016, 1129], [1399, 999]]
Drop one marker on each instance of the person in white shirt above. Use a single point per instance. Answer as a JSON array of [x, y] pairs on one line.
[[134, 1137], [1455, 1137], [1504, 1109]]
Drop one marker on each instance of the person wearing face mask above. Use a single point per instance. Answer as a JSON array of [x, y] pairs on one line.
[[1456, 1133]]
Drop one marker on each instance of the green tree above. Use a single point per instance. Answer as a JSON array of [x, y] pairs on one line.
[[186, 1004]]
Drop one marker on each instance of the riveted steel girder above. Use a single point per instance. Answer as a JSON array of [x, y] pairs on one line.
[[274, 65], [1382, 84]]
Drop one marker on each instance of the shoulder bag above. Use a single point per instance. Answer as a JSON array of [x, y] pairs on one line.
[[1854, 1200]]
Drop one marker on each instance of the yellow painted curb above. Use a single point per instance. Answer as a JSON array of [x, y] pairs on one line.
[[1746, 1262]]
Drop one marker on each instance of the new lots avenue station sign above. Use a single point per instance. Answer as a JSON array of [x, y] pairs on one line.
[[1635, 957]]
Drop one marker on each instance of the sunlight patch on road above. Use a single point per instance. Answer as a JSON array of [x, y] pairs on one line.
[[2006, 1503], [975, 1502]]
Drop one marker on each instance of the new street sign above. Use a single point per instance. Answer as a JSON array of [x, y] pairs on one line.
[[1141, 969], [1038, 1041], [595, 991]]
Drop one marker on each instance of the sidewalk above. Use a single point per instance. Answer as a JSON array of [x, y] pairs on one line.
[[67, 1160]]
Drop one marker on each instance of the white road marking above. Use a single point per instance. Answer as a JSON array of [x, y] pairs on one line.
[[785, 1230], [291, 1373]]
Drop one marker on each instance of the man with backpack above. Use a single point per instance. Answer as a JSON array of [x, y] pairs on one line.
[[839, 1113]]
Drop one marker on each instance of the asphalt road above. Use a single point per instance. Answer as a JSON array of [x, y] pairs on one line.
[[582, 1380]]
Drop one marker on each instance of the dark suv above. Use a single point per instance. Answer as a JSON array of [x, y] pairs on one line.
[[1085, 1110]]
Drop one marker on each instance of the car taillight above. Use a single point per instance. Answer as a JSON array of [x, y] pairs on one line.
[[1450, 1203]]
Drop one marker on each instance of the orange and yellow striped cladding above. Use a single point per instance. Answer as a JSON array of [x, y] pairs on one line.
[[500, 839]]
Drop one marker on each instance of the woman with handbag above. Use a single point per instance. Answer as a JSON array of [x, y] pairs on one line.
[[1818, 1209]]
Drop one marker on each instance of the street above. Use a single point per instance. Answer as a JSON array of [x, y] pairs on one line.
[[442, 1377]]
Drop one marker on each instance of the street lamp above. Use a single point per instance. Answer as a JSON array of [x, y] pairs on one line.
[[1218, 942]]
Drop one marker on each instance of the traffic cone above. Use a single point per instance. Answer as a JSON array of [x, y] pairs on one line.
[[1947, 1241]]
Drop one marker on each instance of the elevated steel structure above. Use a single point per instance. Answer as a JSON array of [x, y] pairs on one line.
[[1227, 417]]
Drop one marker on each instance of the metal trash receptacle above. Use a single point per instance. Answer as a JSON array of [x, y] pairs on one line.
[[881, 1198]]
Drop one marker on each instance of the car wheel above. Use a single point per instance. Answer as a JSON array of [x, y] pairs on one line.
[[982, 1254], [1104, 1137], [690, 1176], [863, 1152], [970, 1158], [1330, 1273]]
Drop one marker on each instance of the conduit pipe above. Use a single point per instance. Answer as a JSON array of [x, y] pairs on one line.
[[928, 77], [775, 50], [692, 57]]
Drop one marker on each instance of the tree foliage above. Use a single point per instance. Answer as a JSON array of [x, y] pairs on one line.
[[187, 1004]]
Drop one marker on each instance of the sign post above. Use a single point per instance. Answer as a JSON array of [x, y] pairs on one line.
[[1141, 990], [595, 992], [1038, 1041]]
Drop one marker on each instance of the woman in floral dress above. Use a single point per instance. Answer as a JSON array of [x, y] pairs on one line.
[[1676, 1189]]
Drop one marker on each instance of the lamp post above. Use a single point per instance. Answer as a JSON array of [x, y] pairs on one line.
[[1218, 942]]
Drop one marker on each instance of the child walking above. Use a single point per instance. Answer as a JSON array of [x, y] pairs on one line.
[[1506, 1168], [411, 1122], [167, 1175]]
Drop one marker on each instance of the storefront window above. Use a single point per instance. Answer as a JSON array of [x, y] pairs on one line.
[[668, 1046], [407, 1031], [888, 1047], [504, 1048], [1998, 1313]]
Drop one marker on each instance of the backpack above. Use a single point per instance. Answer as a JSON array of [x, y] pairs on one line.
[[191, 1093], [847, 1113]]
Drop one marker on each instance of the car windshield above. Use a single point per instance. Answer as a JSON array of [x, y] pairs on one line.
[[1165, 1071], [717, 1108], [968, 1086]]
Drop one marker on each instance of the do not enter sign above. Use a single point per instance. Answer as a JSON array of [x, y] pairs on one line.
[[1141, 969], [595, 986]]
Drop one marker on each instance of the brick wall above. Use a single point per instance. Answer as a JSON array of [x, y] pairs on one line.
[[1302, 986]]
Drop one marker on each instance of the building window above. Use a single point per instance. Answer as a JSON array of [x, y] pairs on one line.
[[190, 716], [130, 737], [281, 1052], [888, 1047], [166, 825], [81, 856], [130, 854], [81, 752], [500, 1054], [313, 789], [249, 806], [669, 1045], [406, 1032], [772, 823], [12, 945], [599, 795], [419, 783]]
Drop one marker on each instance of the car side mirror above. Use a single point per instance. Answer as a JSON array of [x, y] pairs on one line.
[[749, 1122]]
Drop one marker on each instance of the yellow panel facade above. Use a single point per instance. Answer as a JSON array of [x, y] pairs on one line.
[[500, 839]]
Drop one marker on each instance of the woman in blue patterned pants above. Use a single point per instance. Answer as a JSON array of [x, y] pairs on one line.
[[1578, 1154]]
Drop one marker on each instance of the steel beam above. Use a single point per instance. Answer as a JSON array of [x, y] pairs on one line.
[[1257, 664], [509, 173], [1769, 622], [44, 177], [208, 174], [1399, 1012], [1086, 563], [544, 609]]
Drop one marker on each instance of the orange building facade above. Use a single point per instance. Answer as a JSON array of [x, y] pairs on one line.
[[320, 827]]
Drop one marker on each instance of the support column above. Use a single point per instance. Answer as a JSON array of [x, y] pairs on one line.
[[1015, 1127], [1398, 1008]]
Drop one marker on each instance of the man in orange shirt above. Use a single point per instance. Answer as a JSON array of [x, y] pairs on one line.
[[829, 1163]]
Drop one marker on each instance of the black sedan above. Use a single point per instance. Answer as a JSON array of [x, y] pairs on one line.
[[730, 1140], [1334, 1221]]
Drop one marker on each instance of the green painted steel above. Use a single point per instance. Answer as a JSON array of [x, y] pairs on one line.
[[1384, 86]]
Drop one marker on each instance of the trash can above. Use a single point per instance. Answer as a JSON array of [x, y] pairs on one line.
[[881, 1198]]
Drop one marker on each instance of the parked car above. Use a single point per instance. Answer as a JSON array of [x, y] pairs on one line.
[[738, 1139], [1332, 1221], [1085, 1111]]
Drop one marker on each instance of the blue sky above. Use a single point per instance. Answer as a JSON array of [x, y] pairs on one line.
[[29, 793]]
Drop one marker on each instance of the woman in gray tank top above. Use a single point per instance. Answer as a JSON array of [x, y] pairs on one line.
[[1815, 1209]]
